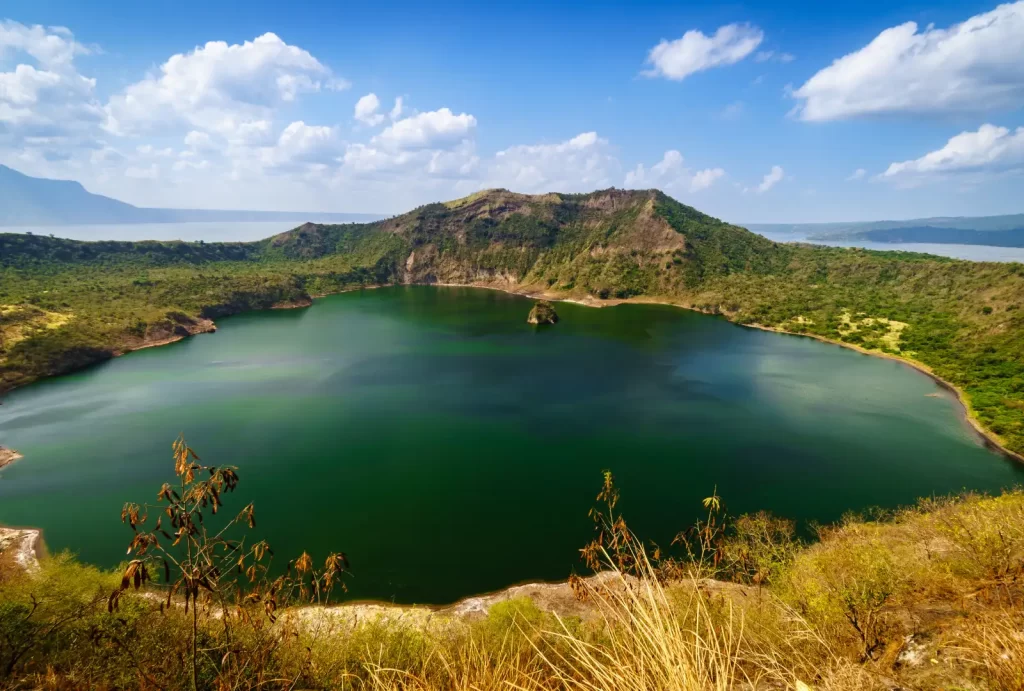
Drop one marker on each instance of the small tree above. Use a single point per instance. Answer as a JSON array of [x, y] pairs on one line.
[[703, 543], [214, 574], [613, 542]]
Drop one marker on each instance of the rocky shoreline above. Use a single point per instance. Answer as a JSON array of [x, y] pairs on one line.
[[22, 548]]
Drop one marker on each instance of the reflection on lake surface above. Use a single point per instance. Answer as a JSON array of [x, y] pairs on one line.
[[450, 448]]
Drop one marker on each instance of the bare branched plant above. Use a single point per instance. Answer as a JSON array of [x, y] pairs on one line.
[[225, 584], [612, 536], [614, 544], [661, 627]]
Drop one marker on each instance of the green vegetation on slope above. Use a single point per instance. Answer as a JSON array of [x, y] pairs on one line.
[[64, 304]]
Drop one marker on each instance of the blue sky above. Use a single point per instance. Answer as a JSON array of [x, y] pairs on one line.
[[735, 108]]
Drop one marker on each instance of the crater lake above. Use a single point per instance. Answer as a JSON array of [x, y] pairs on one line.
[[449, 448]]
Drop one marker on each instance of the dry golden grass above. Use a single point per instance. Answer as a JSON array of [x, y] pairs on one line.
[[652, 642], [925, 598], [992, 647], [644, 633]]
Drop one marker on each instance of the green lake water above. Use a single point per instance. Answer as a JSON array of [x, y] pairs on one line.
[[450, 449]]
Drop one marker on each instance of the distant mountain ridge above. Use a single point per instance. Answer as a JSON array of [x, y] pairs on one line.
[[996, 231], [1012, 237], [980, 223], [29, 201]]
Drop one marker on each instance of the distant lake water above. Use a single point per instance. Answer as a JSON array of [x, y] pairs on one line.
[[450, 448], [207, 231], [216, 231], [975, 253]]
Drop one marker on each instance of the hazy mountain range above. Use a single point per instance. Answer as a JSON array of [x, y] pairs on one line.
[[1000, 231], [29, 201]]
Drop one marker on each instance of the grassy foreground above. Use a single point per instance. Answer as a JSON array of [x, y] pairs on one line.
[[929, 597]]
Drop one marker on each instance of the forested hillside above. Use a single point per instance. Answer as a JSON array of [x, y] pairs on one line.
[[64, 304]]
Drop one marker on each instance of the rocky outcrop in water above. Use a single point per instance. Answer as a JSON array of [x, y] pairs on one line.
[[8, 456], [542, 313]]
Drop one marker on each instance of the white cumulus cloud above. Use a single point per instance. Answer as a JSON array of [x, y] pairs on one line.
[[367, 110], [301, 145], [987, 150], [974, 66], [251, 132], [436, 129], [198, 140], [23, 86], [857, 174], [360, 159], [672, 174], [50, 46], [397, 111], [582, 163], [703, 179], [695, 52], [217, 126], [438, 144], [220, 87], [769, 181], [44, 101]]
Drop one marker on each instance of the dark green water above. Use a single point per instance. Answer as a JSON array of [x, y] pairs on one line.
[[450, 449]]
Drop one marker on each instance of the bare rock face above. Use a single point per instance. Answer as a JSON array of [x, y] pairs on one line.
[[18, 549], [542, 313]]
